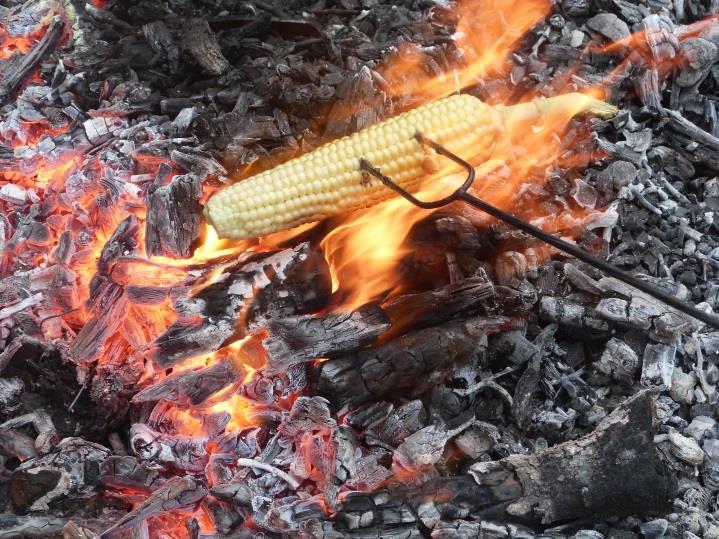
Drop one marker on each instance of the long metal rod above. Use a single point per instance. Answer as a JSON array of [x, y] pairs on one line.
[[569, 248]]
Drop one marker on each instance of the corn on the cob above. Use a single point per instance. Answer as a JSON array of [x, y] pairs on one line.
[[328, 180]]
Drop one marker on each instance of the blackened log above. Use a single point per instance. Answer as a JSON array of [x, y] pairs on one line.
[[174, 214], [597, 476], [299, 339], [201, 43], [17, 72], [243, 299], [425, 309], [400, 363]]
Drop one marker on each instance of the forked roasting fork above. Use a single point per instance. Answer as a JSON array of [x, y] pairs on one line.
[[462, 194]]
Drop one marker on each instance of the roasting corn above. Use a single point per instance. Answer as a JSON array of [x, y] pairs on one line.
[[329, 181]]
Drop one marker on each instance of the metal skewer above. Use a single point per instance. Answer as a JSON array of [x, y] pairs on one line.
[[461, 194]]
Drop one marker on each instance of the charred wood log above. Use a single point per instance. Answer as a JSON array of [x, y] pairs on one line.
[[414, 311], [399, 363], [596, 475], [244, 299], [303, 338]]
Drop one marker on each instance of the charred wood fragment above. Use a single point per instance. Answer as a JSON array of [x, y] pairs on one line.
[[201, 43], [399, 364], [304, 338], [598, 474], [15, 72], [243, 299], [174, 214]]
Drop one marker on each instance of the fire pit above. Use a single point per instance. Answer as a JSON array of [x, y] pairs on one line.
[[365, 367]]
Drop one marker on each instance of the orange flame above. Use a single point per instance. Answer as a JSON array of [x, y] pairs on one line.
[[366, 249]]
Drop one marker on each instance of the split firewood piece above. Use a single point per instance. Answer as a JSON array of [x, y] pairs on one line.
[[400, 363], [299, 339]]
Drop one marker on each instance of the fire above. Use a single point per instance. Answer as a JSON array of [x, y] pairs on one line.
[[366, 249], [487, 33]]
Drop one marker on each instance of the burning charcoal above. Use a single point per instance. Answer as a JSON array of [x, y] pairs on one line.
[[581, 280], [191, 387], [572, 316], [305, 338], [684, 448], [173, 217], [700, 55], [185, 452], [11, 390], [202, 44], [15, 75], [594, 481], [658, 365], [617, 175], [199, 163], [99, 130], [107, 302], [176, 493], [127, 472], [262, 287], [682, 387], [618, 361], [422, 450], [525, 390], [478, 440], [397, 364], [31, 526], [610, 26], [17, 444], [160, 39], [512, 346], [227, 518], [70, 471], [47, 436], [510, 266], [401, 422]]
